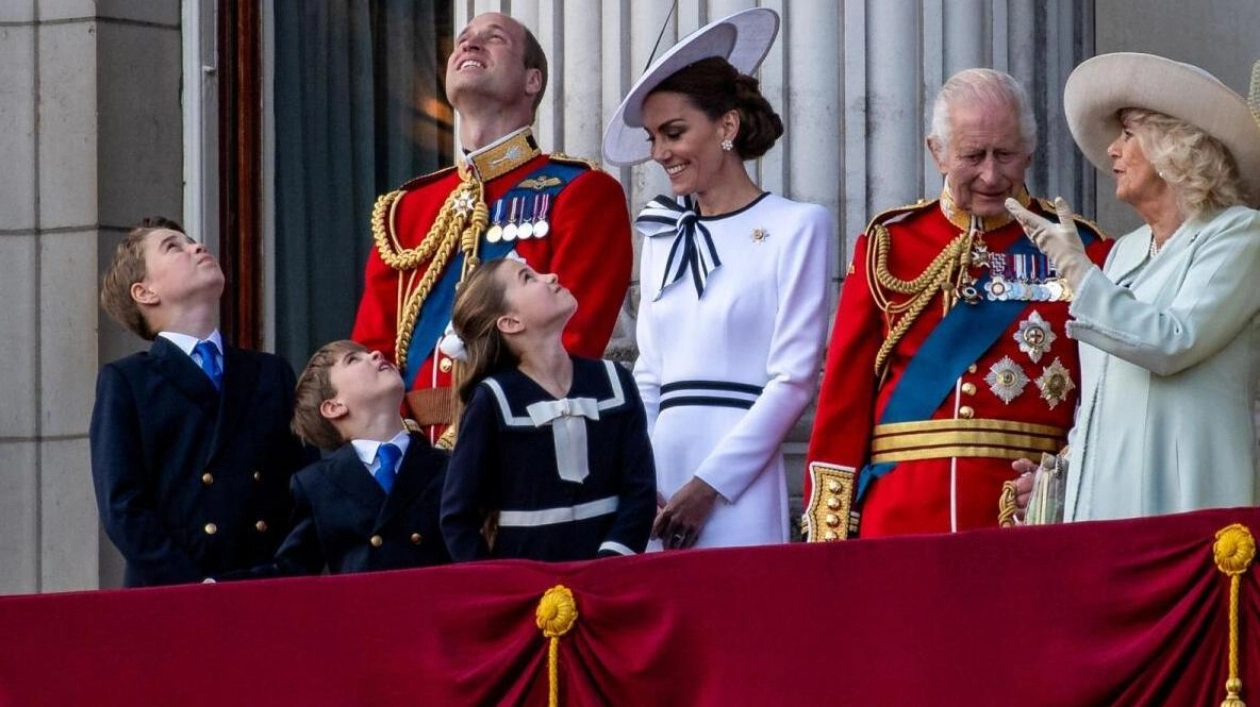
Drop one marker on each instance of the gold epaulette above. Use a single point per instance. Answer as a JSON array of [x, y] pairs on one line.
[[575, 160], [423, 179], [1047, 205], [887, 214]]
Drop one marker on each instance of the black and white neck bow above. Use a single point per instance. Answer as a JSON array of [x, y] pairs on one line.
[[693, 249]]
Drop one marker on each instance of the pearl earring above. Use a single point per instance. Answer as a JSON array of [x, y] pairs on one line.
[[727, 145]]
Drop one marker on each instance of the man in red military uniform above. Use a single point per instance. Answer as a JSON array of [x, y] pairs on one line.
[[949, 357], [504, 198]]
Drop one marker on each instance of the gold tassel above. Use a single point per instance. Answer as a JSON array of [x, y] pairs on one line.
[[1234, 550], [557, 613]]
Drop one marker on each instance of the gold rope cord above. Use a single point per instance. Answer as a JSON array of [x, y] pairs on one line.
[[1234, 550], [1007, 507], [459, 223], [556, 614], [942, 275]]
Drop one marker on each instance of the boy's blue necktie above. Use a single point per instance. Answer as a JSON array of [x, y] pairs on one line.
[[387, 470], [210, 362]]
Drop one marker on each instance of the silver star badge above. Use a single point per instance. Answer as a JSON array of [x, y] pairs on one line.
[[1006, 379], [1035, 336]]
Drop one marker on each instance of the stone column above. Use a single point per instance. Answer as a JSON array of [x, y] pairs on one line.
[[89, 139]]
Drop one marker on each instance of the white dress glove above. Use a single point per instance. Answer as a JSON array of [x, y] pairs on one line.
[[1059, 241]]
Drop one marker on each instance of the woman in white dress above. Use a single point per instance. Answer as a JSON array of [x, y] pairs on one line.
[[1170, 327], [732, 312]]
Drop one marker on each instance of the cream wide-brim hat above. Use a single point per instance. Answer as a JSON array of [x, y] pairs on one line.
[[1101, 87], [743, 39]]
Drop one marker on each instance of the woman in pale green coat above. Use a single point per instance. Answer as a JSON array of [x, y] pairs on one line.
[[1170, 327]]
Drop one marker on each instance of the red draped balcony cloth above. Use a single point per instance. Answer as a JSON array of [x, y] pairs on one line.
[[1121, 613]]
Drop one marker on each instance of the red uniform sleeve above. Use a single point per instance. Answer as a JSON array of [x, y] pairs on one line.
[[846, 401], [592, 254], [375, 324]]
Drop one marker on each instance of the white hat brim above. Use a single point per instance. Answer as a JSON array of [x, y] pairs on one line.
[[743, 39], [1101, 87]]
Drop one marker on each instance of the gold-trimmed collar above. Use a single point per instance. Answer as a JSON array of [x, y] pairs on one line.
[[962, 218], [503, 155]]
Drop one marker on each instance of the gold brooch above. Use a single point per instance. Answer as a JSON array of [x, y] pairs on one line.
[[759, 235]]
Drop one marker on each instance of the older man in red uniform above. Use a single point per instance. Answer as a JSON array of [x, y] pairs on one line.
[[949, 357], [504, 198]]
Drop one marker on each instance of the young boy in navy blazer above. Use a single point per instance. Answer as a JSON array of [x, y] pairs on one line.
[[191, 451], [374, 503]]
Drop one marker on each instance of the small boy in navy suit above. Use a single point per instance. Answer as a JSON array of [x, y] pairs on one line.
[[191, 451], [374, 503]]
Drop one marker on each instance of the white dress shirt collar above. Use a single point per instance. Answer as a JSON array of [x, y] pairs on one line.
[[365, 449]]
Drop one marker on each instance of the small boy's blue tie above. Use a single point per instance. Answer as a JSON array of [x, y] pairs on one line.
[[387, 470], [210, 362]]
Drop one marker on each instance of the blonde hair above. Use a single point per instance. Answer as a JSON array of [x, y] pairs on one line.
[[126, 269], [315, 386], [481, 300], [1196, 165]]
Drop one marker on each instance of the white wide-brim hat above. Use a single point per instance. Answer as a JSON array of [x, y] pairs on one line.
[[743, 39], [1101, 87]]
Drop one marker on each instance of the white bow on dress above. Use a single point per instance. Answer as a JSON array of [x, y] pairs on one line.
[[568, 429]]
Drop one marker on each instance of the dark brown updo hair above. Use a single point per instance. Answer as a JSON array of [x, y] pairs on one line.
[[714, 87]]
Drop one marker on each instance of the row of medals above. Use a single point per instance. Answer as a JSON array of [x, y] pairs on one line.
[[1017, 278], [520, 224]]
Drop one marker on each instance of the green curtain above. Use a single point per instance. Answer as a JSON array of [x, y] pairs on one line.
[[358, 111]]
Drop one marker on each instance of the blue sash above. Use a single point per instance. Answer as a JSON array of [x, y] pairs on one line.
[[960, 338], [435, 314]]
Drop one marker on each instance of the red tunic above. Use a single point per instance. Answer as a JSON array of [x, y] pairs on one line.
[[940, 493], [588, 247]]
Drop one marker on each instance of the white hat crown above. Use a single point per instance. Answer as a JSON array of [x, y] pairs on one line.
[[743, 39]]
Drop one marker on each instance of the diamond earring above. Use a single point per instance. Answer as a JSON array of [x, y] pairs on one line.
[[727, 145]]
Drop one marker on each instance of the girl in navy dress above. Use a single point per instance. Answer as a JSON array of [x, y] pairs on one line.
[[552, 459]]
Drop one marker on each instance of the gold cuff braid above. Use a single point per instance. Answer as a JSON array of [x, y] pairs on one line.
[[829, 513]]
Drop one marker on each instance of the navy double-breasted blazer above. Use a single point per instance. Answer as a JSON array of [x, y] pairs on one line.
[[344, 521], [190, 481]]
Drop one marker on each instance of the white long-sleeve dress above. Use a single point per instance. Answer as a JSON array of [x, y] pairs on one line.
[[1170, 355], [724, 375]]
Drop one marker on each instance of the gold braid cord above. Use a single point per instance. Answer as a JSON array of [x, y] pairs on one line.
[[1007, 508], [942, 275], [556, 614], [459, 223], [1234, 551]]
